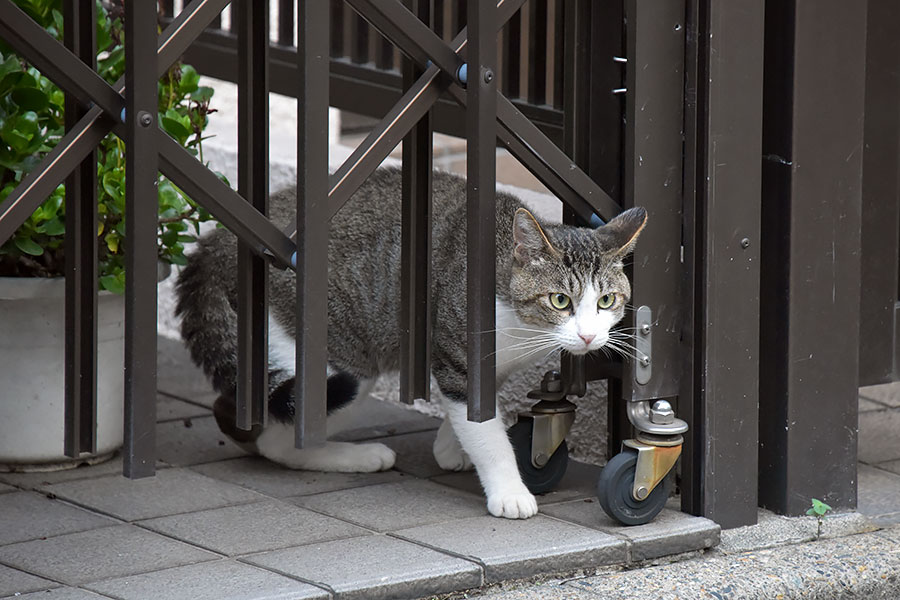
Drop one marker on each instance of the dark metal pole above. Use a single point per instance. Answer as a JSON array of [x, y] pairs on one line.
[[415, 270], [481, 116], [814, 108], [253, 184], [81, 255], [722, 253], [312, 222], [141, 214]]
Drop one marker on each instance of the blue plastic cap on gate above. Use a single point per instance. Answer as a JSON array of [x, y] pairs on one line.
[[596, 221], [122, 115], [294, 260], [463, 73]]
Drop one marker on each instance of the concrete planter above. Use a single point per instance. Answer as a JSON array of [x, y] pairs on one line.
[[32, 368]]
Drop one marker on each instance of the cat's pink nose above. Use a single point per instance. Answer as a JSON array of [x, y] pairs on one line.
[[587, 338]]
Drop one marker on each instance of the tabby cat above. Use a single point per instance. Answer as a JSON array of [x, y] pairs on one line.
[[558, 287]]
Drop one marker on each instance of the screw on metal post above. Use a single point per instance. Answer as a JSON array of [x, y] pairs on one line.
[[645, 328], [145, 119], [745, 243], [488, 76]]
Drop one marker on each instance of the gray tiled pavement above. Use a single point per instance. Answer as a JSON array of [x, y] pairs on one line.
[[216, 523]]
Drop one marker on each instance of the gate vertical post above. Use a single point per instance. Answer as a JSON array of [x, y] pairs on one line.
[[415, 264], [312, 222], [722, 259], [81, 255], [253, 184], [813, 150], [481, 115], [141, 204], [878, 316]]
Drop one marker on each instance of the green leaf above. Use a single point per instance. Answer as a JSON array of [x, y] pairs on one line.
[[819, 508], [10, 65], [189, 79], [28, 246], [202, 94], [30, 98], [175, 128], [113, 283], [55, 226]]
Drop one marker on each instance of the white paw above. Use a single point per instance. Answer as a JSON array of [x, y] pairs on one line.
[[450, 455], [513, 505], [364, 458]]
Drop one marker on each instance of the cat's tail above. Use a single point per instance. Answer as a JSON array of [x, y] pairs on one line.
[[208, 320]]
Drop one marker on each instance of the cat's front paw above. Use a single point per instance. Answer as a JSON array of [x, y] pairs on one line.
[[519, 504]]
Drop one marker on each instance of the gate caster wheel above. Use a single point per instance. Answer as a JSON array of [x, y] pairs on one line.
[[537, 480], [614, 491]]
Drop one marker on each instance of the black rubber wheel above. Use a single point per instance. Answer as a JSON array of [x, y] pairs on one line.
[[614, 491], [543, 480]]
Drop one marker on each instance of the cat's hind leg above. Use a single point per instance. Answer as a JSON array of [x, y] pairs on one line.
[[447, 450], [277, 440]]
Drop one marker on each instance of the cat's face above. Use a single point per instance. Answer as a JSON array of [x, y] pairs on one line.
[[568, 281]]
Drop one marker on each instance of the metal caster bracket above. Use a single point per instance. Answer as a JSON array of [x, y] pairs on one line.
[[550, 426], [654, 461]]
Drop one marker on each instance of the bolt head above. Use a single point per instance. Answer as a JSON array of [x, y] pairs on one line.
[[745, 243], [145, 119], [488, 76], [645, 328], [541, 459], [642, 493], [645, 360], [661, 413]]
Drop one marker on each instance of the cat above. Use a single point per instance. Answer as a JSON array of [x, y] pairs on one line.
[[558, 287]]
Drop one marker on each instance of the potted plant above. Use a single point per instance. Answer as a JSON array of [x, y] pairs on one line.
[[32, 285]]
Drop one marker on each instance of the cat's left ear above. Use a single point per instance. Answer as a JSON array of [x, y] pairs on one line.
[[622, 232], [531, 242]]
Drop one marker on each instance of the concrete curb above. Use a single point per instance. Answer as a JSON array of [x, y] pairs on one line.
[[851, 566]]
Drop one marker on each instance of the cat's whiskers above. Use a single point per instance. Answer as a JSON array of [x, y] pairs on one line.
[[550, 346]]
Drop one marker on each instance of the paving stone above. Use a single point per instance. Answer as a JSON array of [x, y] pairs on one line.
[[371, 417], [392, 506], [511, 549], [893, 466], [373, 567], [414, 454], [78, 558], [888, 394], [217, 580], [14, 581], [866, 405], [28, 516], [255, 527], [579, 482], [271, 479], [197, 441], [61, 593], [173, 409], [178, 376], [170, 492], [878, 491], [32, 481], [878, 440], [671, 532]]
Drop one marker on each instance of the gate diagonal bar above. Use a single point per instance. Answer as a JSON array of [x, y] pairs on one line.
[[175, 162], [524, 140]]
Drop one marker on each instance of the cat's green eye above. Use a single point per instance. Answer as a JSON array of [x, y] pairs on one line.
[[606, 301], [560, 301]]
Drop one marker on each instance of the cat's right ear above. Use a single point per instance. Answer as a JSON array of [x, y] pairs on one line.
[[530, 241]]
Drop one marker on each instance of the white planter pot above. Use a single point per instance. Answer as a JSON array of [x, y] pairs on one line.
[[32, 370]]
